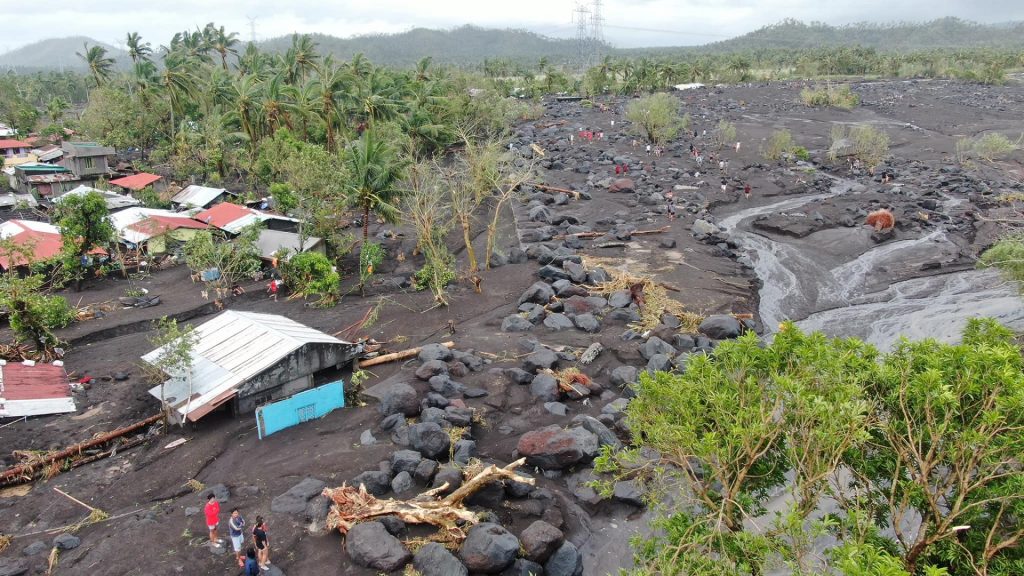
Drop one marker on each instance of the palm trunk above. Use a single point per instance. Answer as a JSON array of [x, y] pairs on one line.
[[470, 253], [366, 223]]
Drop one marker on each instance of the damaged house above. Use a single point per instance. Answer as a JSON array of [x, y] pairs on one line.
[[249, 359]]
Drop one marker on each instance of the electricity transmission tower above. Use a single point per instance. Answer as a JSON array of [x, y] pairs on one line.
[[589, 33], [596, 31], [581, 17], [252, 28]]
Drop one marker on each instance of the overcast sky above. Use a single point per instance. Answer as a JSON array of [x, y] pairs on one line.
[[628, 23]]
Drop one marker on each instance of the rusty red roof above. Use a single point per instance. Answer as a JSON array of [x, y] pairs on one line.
[[136, 181], [223, 214], [156, 225], [34, 390], [9, 143]]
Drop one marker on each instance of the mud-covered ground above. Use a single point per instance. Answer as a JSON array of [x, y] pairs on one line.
[[145, 487]]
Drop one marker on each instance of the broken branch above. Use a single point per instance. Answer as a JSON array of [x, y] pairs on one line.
[[402, 355]]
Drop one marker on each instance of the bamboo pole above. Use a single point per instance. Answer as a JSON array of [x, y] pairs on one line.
[[26, 472], [546, 188], [402, 355]]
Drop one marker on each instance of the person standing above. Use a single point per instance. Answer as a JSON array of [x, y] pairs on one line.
[[262, 542], [236, 529], [212, 513], [746, 190], [648, 149], [671, 208], [252, 566]]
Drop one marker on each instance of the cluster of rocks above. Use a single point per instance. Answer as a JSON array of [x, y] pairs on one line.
[[489, 548]]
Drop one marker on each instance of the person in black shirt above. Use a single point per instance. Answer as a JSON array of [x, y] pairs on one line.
[[259, 538]]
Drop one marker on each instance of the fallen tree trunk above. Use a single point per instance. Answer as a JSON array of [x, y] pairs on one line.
[[352, 505], [402, 355], [28, 471], [556, 190]]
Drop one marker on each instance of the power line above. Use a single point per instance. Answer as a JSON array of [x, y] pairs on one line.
[[678, 32]]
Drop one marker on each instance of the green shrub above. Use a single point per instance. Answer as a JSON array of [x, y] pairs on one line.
[[434, 275], [724, 134], [311, 274], [864, 142], [830, 97], [655, 117], [1008, 256], [780, 144], [988, 147]]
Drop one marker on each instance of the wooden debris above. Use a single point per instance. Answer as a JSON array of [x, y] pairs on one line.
[[352, 505], [66, 459], [402, 355], [553, 189], [537, 149]]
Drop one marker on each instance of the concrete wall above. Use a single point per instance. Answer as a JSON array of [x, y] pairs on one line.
[[292, 374]]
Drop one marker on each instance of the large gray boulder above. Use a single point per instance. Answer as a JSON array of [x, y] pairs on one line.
[[429, 439], [554, 447], [369, 544], [538, 293], [539, 359], [721, 327], [655, 345], [488, 549], [435, 352], [400, 398], [566, 561], [434, 559], [294, 500], [540, 540]]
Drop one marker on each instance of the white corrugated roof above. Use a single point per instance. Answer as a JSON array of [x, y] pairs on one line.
[[15, 227], [125, 218], [114, 200], [232, 348], [270, 241], [196, 196]]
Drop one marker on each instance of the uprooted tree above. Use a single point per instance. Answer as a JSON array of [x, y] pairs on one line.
[[33, 314], [352, 504], [85, 226]]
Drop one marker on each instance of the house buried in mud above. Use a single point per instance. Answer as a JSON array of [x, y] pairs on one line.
[[249, 359]]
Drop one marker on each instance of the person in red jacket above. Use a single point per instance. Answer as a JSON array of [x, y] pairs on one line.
[[212, 512]]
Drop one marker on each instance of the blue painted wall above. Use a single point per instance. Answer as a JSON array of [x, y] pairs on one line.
[[302, 407]]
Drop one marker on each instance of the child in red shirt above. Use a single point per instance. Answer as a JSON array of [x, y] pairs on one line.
[[212, 512]]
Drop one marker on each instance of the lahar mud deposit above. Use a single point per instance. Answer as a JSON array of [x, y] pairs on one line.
[[843, 283]]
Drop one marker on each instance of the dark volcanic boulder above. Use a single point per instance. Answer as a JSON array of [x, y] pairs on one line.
[[294, 500], [400, 399], [429, 439], [540, 540], [369, 544], [539, 359], [488, 548], [434, 559], [721, 327], [538, 293], [566, 561], [553, 447], [377, 483]]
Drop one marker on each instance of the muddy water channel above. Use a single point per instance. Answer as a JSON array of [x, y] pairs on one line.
[[841, 282]]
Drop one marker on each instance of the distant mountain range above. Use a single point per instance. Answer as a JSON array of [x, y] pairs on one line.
[[58, 53], [470, 45]]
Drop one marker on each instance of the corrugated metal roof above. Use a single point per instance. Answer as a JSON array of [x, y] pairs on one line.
[[136, 181], [231, 349], [123, 221], [197, 196], [34, 390], [233, 217], [114, 200], [271, 241]]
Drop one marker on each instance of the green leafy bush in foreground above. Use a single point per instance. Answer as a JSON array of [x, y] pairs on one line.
[[929, 431]]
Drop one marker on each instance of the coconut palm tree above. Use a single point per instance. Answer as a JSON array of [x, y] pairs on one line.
[[375, 174], [138, 50], [300, 59], [301, 103], [56, 108], [222, 43], [95, 57], [245, 96], [329, 83], [178, 83]]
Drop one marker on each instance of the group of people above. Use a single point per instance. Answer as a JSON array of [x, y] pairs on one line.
[[257, 556]]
